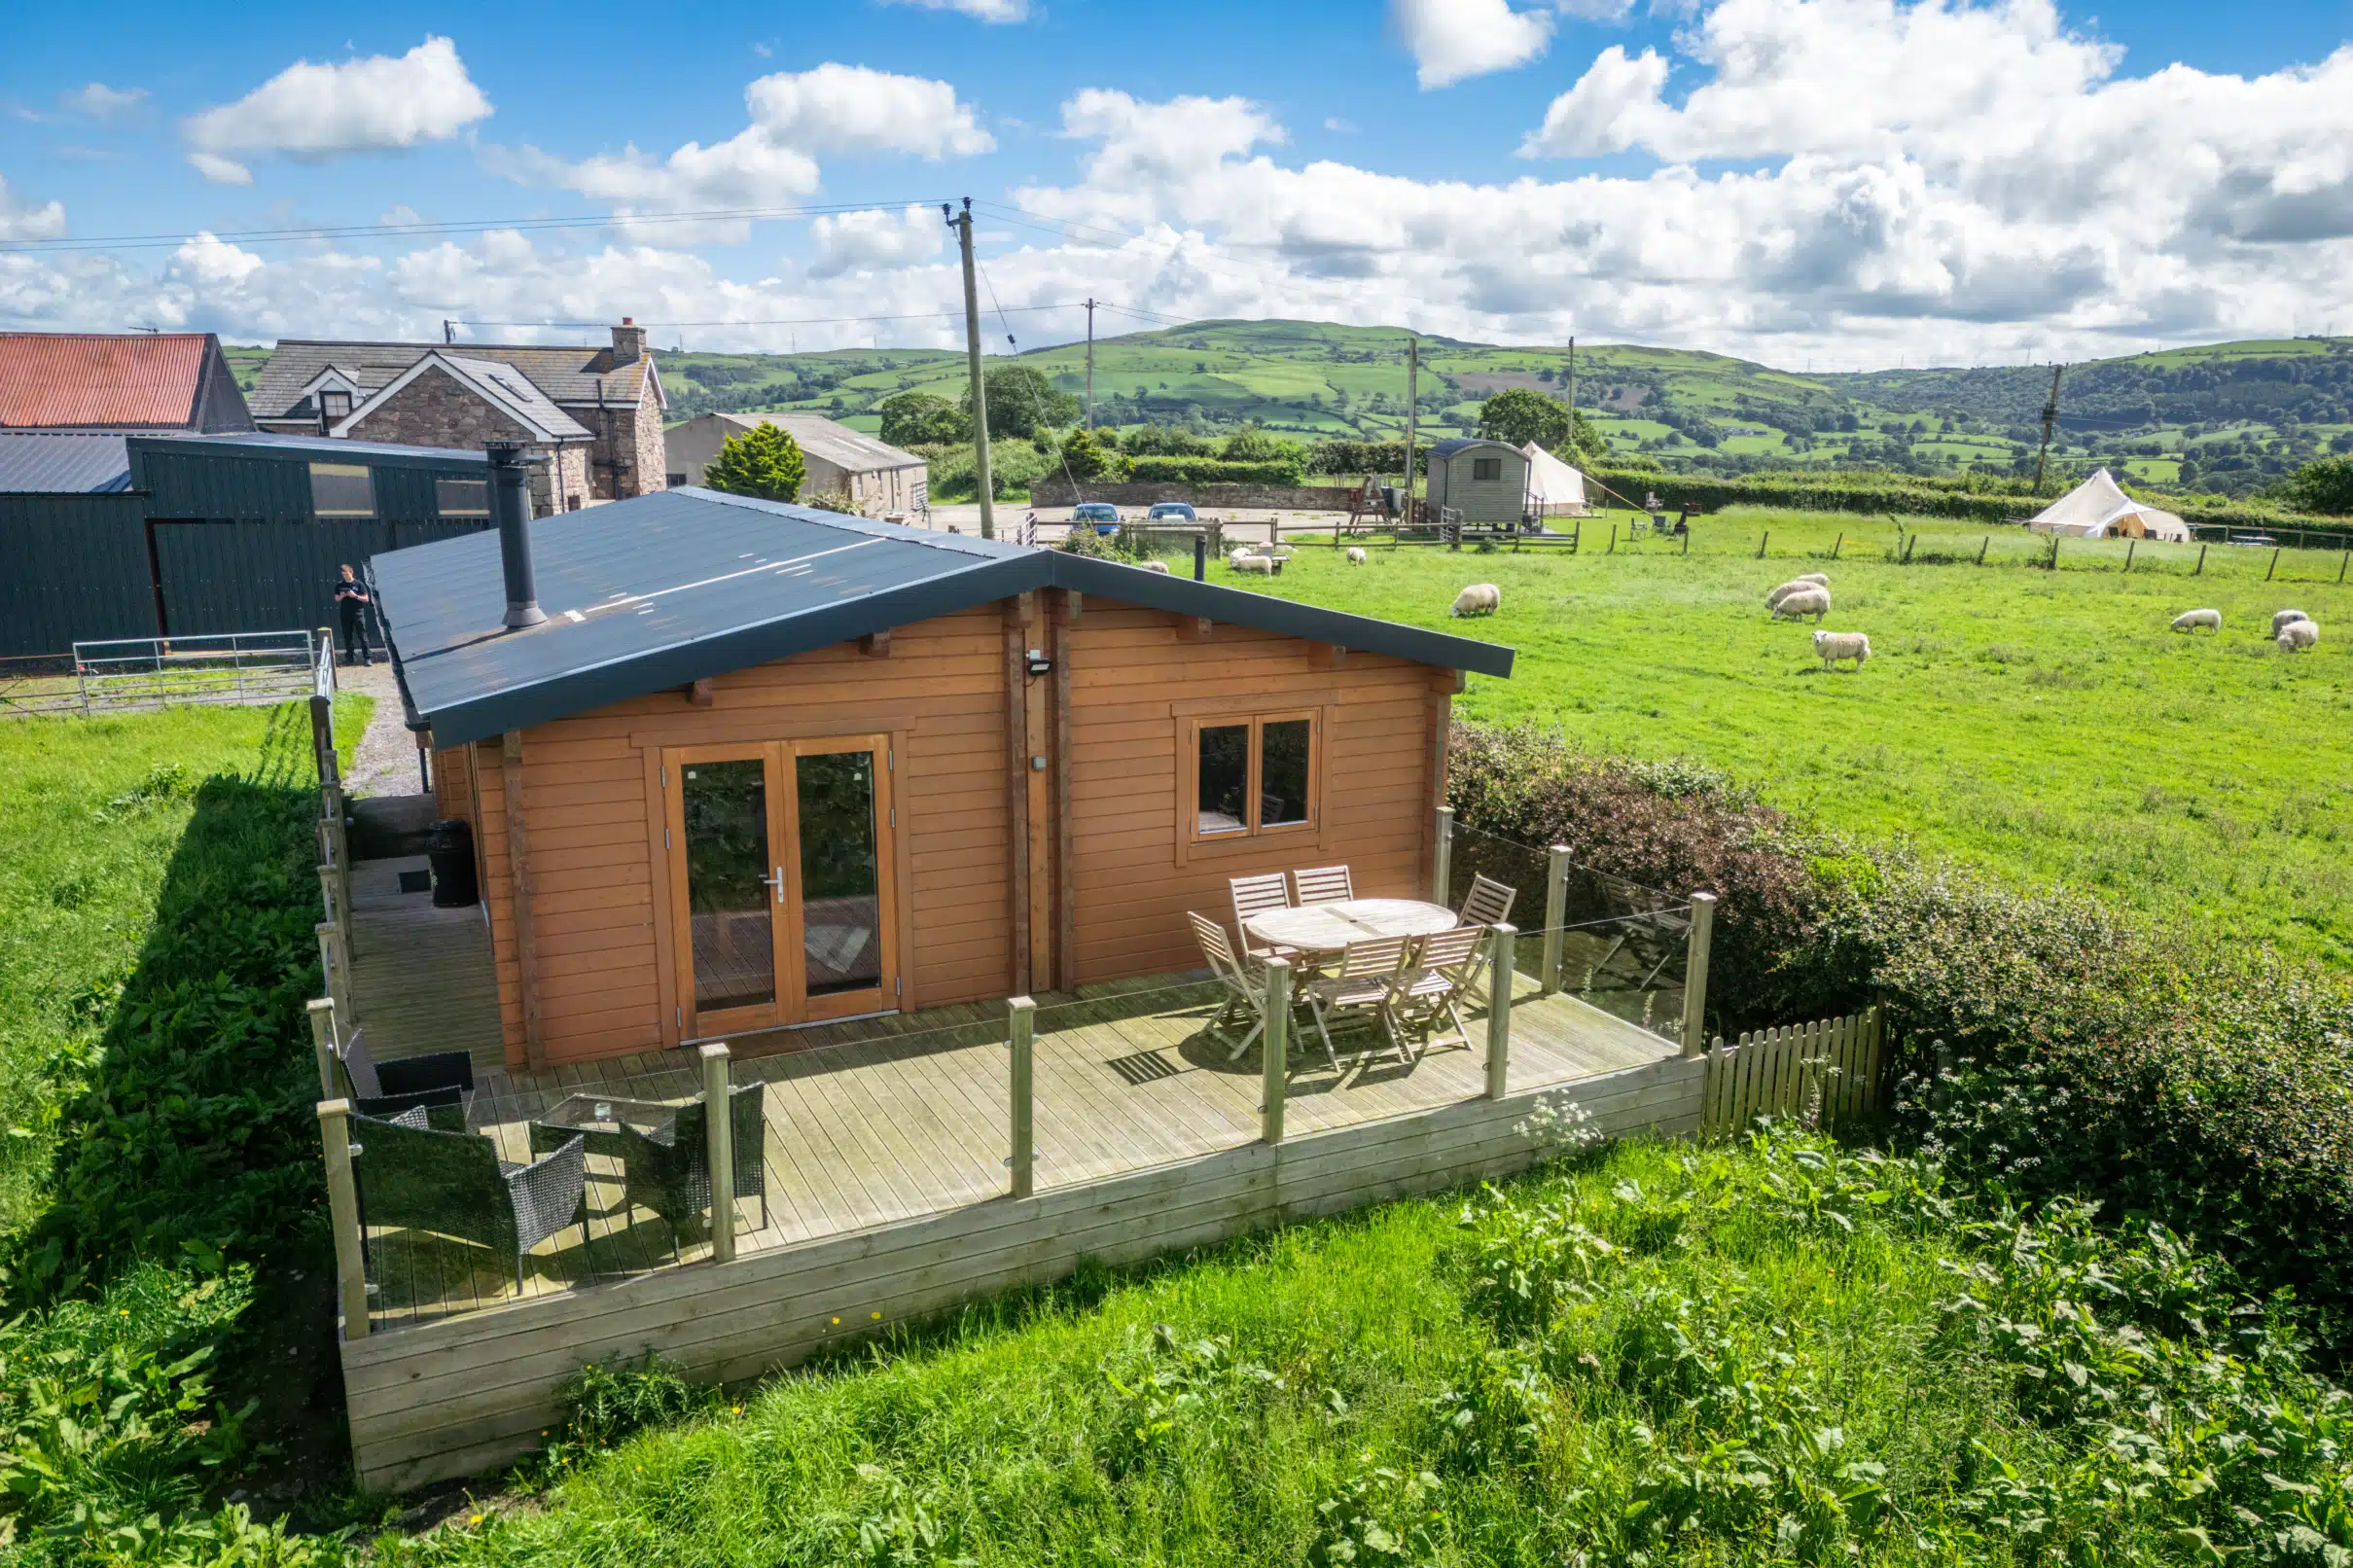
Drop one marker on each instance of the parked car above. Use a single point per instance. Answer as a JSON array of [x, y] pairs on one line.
[[2253, 539], [1101, 514], [1171, 512]]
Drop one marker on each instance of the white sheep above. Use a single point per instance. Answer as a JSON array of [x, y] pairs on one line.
[[1807, 602], [2192, 620], [2297, 635], [2280, 618], [1253, 564], [1832, 646], [1356, 555], [1817, 579], [1160, 567], [1479, 598], [1773, 598]]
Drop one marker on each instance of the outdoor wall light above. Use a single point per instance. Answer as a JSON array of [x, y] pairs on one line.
[[1039, 663]]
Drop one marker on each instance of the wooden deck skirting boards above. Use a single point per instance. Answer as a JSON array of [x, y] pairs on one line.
[[470, 1393]]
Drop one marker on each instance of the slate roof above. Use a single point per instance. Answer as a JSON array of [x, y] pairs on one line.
[[687, 584], [502, 386], [63, 462], [852, 450], [568, 375], [127, 381]]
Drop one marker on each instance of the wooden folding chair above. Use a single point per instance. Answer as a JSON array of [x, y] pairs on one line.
[[1439, 971], [1361, 985], [1488, 902], [1324, 884], [1255, 895], [1242, 997]]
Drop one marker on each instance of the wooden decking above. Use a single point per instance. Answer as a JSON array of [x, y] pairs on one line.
[[887, 1119]]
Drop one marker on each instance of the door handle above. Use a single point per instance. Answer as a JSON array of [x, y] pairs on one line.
[[776, 882]]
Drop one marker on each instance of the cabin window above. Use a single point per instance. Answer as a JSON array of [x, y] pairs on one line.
[[1253, 776], [342, 490], [1486, 468], [335, 404], [462, 498]]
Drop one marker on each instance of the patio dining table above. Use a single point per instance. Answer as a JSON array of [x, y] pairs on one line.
[[1319, 929]]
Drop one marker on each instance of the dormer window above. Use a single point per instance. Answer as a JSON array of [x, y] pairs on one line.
[[335, 405]]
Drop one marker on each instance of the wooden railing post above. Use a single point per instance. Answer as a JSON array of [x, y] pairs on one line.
[[1442, 864], [1501, 967], [343, 1215], [1021, 1018], [334, 961], [1274, 1074], [1556, 914], [1695, 974], [322, 1045], [719, 1130]]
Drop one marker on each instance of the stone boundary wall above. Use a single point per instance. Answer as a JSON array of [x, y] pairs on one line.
[[1056, 492]]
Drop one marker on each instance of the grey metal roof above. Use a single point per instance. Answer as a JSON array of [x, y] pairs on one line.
[[853, 451], [567, 375], [682, 584], [326, 448], [63, 462], [1455, 443]]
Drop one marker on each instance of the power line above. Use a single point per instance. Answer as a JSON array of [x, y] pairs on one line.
[[769, 321], [470, 226]]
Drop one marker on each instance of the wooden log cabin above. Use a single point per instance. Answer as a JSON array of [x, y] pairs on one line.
[[761, 767]]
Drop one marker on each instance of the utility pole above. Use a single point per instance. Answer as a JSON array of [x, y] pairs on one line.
[[2050, 416], [1090, 363], [1572, 392], [963, 226], [1412, 407]]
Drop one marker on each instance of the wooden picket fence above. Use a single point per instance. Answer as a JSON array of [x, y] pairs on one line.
[[1779, 1073]]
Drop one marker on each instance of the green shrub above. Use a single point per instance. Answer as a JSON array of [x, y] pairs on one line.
[[1280, 471], [763, 461]]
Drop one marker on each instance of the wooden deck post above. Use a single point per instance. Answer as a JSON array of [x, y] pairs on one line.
[[719, 1131], [1273, 1071], [1021, 1019], [1501, 967], [343, 1214], [1695, 974], [322, 1044], [1442, 864], [335, 964], [1556, 914]]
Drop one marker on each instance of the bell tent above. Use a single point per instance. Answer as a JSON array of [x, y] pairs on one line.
[[2099, 509], [1555, 488]]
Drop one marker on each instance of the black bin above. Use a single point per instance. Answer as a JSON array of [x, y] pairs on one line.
[[452, 855]]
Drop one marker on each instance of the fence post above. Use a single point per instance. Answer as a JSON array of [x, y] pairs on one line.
[[1556, 914], [718, 1132], [1441, 862], [1021, 1018], [335, 963], [343, 1215], [1762, 540], [1695, 974], [1837, 544], [1501, 968], [321, 1043], [2130, 545], [1272, 1071], [2200, 570], [2274, 566], [1981, 544]]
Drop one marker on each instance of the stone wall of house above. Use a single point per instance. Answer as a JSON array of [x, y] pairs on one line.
[[645, 439], [437, 411], [630, 458]]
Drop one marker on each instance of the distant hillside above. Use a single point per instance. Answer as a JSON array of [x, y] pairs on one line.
[[2225, 417]]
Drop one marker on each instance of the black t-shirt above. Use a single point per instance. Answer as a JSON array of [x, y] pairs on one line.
[[350, 598]]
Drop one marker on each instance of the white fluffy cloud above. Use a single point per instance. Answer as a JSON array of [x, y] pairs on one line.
[[844, 109], [1453, 39], [23, 220], [984, 10], [372, 103], [99, 101], [875, 239]]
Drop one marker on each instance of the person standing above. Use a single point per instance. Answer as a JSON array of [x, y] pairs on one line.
[[351, 606]]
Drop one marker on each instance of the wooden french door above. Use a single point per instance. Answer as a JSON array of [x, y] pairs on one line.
[[783, 902]]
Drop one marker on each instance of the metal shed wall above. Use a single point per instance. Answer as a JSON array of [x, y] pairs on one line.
[[219, 486], [73, 567], [272, 576]]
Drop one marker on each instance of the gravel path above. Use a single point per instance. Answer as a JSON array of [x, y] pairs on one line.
[[386, 760]]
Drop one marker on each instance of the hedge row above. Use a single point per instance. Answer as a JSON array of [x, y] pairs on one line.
[[1215, 471], [2046, 1043]]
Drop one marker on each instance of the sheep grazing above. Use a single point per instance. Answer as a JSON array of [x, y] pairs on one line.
[[1253, 564], [1160, 567], [2298, 635], [1807, 602], [2192, 620], [2280, 618], [1479, 598], [1356, 555], [1817, 579], [1796, 584], [1829, 647]]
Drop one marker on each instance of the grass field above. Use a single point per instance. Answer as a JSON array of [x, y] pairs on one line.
[[96, 809], [2047, 725], [1773, 1354]]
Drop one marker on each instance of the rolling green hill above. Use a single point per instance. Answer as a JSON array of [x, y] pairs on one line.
[[2225, 417]]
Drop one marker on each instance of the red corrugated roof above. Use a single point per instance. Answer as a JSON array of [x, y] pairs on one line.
[[89, 378]]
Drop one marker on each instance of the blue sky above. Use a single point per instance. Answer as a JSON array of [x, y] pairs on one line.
[[1846, 181]]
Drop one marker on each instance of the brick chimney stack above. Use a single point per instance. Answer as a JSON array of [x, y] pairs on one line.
[[629, 342]]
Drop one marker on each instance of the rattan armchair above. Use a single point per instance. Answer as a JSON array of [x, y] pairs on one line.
[[454, 1184], [442, 1083], [672, 1176]]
